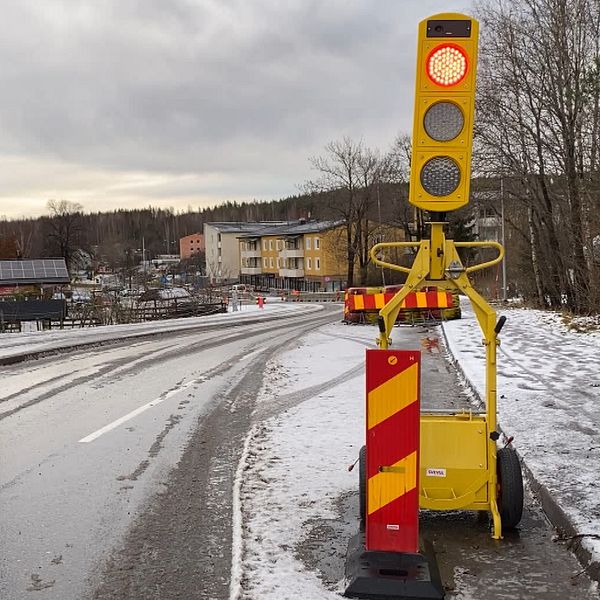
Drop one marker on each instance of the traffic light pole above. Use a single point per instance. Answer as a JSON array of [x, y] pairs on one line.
[[438, 264], [459, 466]]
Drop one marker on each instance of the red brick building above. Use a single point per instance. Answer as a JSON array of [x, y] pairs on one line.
[[191, 245]]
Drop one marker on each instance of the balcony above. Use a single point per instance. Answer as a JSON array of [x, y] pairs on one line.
[[292, 253], [251, 270], [291, 272], [251, 253]]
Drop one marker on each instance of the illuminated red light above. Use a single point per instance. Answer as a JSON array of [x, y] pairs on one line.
[[447, 65]]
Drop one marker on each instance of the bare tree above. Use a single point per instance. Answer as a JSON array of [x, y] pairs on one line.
[[64, 226], [349, 176], [408, 217], [537, 127]]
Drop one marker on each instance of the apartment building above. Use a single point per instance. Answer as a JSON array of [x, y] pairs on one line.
[[302, 255], [223, 250]]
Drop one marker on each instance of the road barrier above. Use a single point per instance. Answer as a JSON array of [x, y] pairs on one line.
[[312, 296], [362, 305], [392, 450]]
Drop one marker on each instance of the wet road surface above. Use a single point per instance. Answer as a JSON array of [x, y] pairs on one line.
[[89, 441]]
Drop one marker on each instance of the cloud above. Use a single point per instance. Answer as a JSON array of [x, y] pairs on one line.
[[184, 88]]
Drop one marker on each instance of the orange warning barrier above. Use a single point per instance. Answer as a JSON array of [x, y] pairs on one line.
[[392, 460], [362, 305], [376, 301]]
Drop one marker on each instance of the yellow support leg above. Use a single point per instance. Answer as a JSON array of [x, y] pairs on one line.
[[437, 263], [416, 275]]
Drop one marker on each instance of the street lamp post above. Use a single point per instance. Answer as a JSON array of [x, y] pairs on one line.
[[504, 291]]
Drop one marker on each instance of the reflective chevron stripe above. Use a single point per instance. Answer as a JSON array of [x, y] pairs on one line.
[[365, 301], [393, 420]]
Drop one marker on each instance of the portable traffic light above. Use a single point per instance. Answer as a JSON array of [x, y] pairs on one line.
[[444, 107]]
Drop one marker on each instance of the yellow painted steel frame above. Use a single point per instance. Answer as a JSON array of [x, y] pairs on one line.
[[437, 263]]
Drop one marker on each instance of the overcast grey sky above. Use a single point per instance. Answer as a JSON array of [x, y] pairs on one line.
[[130, 103]]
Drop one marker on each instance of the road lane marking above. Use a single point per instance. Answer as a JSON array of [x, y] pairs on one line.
[[135, 413]]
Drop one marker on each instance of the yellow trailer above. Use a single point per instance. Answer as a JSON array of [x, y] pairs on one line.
[[460, 465]]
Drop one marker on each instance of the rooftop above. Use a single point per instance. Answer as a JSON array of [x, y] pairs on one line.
[[43, 270], [294, 228], [244, 227]]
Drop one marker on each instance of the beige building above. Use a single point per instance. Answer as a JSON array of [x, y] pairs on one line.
[[223, 250], [300, 255]]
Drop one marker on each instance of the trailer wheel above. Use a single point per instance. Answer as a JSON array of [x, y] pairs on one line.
[[362, 484], [510, 488]]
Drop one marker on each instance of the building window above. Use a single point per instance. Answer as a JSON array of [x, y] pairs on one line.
[[270, 244], [317, 264], [279, 263], [265, 245], [271, 262], [308, 244], [317, 243], [264, 263], [308, 264]]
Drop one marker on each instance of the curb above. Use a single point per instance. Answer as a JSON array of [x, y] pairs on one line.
[[16, 358], [13, 359], [20, 357], [559, 519]]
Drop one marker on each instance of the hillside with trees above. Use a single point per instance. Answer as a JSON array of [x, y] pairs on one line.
[[536, 160]]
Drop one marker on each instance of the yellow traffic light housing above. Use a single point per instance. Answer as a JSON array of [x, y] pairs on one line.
[[443, 116], [440, 173]]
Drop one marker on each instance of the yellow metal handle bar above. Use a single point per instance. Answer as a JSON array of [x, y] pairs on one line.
[[489, 263], [394, 267], [387, 265]]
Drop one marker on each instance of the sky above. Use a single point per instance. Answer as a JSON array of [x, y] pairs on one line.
[[190, 103]]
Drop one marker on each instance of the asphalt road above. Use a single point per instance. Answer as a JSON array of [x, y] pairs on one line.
[[89, 441], [118, 464]]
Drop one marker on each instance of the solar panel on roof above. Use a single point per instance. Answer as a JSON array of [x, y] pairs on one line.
[[33, 271]]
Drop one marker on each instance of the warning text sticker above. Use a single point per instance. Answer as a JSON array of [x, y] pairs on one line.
[[435, 473]]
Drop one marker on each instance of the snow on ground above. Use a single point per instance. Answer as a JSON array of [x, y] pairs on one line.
[[549, 400], [298, 462], [549, 382], [24, 343]]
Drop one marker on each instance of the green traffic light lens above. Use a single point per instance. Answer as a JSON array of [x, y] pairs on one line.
[[443, 121], [440, 176]]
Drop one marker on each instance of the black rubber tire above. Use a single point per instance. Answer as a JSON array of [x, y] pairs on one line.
[[510, 488], [362, 484]]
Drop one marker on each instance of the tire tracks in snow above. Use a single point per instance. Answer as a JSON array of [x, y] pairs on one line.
[[123, 366], [182, 545]]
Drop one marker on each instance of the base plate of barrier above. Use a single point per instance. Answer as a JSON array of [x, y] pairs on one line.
[[399, 576]]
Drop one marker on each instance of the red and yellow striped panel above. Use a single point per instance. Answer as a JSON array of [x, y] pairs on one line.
[[393, 422], [358, 302]]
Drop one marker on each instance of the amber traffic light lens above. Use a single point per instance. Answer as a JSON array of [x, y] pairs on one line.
[[440, 176], [443, 121], [447, 65]]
